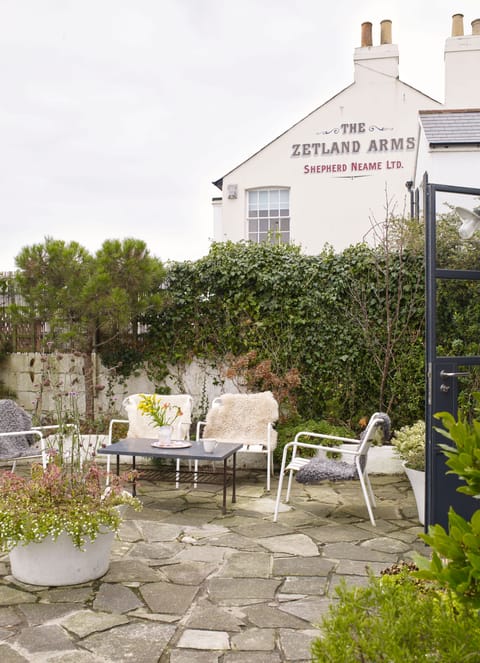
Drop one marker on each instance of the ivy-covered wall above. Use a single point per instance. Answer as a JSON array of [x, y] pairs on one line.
[[351, 325]]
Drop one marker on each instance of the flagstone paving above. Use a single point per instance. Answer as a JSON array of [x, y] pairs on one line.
[[188, 584]]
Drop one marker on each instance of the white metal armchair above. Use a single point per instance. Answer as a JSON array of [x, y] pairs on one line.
[[244, 418], [321, 468]]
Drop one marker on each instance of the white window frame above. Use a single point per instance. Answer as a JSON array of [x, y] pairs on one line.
[[268, 215]]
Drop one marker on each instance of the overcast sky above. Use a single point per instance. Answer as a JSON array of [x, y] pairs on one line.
[[117, 115]]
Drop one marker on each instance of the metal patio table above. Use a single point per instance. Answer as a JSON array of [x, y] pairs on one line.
[[143, 447]]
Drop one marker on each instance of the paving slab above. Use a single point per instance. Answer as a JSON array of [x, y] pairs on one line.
[[199, 639], [113, 597], [247, 565], [222, 589], [168, 597], [137, 641]]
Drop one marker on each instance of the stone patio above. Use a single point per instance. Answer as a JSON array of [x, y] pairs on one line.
[[187, 584]]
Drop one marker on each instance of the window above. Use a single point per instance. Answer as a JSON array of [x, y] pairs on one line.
[[269, 216]]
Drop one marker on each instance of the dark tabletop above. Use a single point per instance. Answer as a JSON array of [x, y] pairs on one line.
[[143, 447]]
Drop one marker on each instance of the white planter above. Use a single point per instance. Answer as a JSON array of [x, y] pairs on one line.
[[417, 481], [54, 563]]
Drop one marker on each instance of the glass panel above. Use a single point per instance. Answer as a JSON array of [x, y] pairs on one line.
[[264, 225], [252, 225], [458, 231], [253, 199], [284, 212], [263, 212], [284, 196], [263, 199], [285, 224], [467, 385], [274, 212], [458, 318], [285, 238], [262, 237], [253, 237]]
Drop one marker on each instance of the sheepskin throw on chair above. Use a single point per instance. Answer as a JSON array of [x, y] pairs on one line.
[[14, 418], [243, 418]]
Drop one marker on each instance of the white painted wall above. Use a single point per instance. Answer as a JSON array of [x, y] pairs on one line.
[[21, 373], [345, 193]]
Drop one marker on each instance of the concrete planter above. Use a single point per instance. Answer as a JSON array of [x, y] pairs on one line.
[[55, 563], [417, 481]]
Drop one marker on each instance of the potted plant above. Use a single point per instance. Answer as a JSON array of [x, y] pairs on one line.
[[58, 524], [409, 443]]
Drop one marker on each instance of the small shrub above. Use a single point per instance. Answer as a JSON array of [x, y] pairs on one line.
[[397, 619], [409, 443]]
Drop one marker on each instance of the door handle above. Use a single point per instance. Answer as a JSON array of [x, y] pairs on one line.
[[444, 374]]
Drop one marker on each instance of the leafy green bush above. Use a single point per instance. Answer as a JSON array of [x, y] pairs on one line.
[[396, 620], [455, 560], [288, 430]]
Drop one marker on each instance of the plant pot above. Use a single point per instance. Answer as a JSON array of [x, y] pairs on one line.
[[60, 562], [165, 434], [417, 481]]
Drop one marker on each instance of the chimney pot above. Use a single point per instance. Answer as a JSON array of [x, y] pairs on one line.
[[366, 34], [385, 32], [476, 27], [457, 25]]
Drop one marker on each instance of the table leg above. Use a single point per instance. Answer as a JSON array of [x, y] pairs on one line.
[[134, 485], [118, 465], [224, 507], [234, 477]]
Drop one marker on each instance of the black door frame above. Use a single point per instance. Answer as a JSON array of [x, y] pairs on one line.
[[441, 373]]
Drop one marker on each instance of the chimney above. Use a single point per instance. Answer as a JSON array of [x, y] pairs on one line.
[[385, 32], [382, 59], [457, 25], [366, 34], [462, 64]]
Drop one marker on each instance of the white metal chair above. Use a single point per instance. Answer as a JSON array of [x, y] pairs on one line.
[[244, 418], [323, 468], [19, 440], [139, 424]]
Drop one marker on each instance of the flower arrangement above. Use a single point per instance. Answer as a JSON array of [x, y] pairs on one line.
[[409, 443], [160, 412]]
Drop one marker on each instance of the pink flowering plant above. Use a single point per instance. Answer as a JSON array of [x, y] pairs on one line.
[[70, 494], [56, 500]]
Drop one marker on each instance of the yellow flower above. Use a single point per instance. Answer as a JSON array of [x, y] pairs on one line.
[[161, 413]]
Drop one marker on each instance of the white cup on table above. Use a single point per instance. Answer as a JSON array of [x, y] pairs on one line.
[[209, 445]]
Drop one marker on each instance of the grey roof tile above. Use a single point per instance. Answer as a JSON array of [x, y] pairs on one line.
[[451, 127]]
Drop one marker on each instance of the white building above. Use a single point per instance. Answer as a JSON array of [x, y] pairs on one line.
[[338, 170], [449, 138]]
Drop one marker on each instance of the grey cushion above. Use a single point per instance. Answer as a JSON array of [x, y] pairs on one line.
[[320, 469], [14, 418]]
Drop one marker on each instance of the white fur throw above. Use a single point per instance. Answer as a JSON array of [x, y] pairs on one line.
[[140, 425], [14, 418], [243, 418]]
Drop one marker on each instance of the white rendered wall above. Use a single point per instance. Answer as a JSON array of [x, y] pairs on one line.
[[462, 75], [335, 197]]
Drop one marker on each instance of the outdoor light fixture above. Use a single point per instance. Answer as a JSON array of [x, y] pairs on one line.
[[470, 221]]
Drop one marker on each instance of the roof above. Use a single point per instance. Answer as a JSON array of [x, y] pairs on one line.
[[451, 127]]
